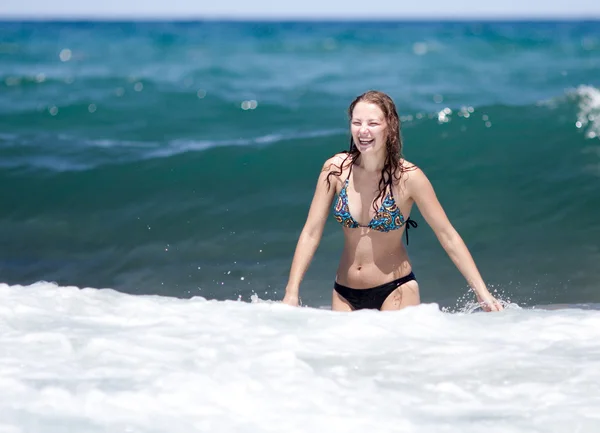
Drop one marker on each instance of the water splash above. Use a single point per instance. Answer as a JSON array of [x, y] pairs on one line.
[[588, 117], [467, 303]]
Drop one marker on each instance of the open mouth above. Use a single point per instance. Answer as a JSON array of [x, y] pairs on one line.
[[365, 142]]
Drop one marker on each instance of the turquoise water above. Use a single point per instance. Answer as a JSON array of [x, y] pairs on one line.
[[180, 158]]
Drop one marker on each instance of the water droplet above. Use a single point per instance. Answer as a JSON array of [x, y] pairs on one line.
[[65, 55], [249, 105]]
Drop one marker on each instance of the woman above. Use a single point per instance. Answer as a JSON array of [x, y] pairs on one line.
[[376, 188]]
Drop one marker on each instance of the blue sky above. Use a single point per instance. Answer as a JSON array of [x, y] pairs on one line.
[[299, 8]]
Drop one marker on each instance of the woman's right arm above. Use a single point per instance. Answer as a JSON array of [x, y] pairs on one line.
[[311, 233]]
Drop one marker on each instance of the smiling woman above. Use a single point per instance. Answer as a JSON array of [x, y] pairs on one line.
[[375, 183]]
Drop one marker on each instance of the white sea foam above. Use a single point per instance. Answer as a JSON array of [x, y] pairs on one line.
[[588, 116], [175, 147], [588, 119], [150, 149], [109, 151], [91, 360]]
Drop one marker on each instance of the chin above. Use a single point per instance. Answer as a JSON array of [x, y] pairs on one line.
[[367, 149]]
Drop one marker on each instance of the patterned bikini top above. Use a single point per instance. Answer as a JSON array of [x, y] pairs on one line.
[[387, 218]]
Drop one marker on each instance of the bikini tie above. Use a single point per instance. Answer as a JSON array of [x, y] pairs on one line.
[[409, 223]]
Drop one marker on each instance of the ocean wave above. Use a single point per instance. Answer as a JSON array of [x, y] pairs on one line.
[[587, 100], [580, 107], [175, 147], [82, 155]]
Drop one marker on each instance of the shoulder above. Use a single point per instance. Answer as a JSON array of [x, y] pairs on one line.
[[411, 176], [407, 171], [331, 171], [418, 185], [337, 163]]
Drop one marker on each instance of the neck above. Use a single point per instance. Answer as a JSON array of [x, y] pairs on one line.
[[372, 163]]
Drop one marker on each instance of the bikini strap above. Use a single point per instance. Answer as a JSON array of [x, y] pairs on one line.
[[349, 171]]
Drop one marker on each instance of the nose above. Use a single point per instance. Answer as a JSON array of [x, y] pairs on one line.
[[363, 129]]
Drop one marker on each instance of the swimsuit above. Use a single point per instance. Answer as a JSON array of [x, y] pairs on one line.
[[387, 218], [374, 297]]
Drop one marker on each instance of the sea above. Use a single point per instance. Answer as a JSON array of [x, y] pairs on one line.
[[155, 177]]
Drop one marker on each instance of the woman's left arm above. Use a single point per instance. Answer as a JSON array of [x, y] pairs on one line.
[[423, 194]]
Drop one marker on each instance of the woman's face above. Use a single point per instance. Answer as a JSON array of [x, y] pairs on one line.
[[368, 127]]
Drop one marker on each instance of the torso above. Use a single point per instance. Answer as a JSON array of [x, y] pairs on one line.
[[372, 255]]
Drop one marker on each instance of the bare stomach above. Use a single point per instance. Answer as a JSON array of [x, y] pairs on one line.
[[371, 259]]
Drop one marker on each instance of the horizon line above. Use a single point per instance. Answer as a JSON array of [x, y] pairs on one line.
[[299, 18]]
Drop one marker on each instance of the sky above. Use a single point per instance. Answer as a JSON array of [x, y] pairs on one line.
[[271, 9]]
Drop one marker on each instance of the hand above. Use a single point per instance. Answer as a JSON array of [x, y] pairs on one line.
[[291, 299], [489, 303]]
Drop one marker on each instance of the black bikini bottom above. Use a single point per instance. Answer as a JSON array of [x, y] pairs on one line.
[[374, 297]]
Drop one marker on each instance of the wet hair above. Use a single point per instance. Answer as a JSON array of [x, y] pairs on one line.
[[392, 169]]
